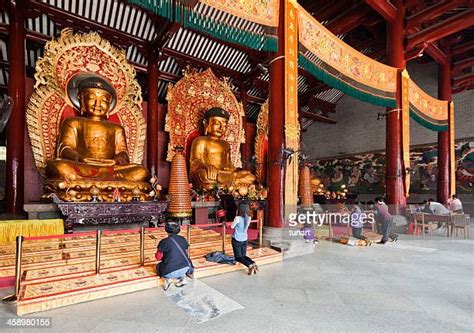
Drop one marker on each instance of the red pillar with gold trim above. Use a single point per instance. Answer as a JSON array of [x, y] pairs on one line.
[[276, 114], [14, 185], [394, 172], [152, 116]]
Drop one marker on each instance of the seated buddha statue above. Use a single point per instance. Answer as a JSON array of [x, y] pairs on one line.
[[89, 147], [210, 161]]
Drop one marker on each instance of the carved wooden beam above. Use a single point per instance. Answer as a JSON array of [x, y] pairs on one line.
[[459, 89], [463, 79], [442, 29], [458, 66], [67, 19], [202, 63], [349, 19], [430, 48], [317, 117], [463, 48], [384, 8], [432, 12], [327, 12]]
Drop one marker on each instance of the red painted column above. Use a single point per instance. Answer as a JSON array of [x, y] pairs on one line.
[[444, 93], [152, 117], [14, 185], [276, 114], [394, 173]]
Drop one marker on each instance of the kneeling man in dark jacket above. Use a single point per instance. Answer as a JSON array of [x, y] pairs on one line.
[[175, 263]]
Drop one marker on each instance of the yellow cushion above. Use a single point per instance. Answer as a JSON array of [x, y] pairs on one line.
[[9, 229]]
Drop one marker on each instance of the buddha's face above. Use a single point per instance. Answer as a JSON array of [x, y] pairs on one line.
[[216, 126], [95, 102]]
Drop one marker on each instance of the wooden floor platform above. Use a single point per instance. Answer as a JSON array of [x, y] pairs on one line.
[[61, 271]]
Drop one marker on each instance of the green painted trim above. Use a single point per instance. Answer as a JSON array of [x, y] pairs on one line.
[[163, 8], [343, 86], [206, 25], [427, 124], [197, 22]]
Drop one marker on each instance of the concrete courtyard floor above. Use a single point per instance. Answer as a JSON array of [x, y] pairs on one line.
[[413, 285]]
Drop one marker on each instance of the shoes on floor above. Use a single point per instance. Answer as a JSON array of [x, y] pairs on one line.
[[381, 242], [167, 284], [181, 283]]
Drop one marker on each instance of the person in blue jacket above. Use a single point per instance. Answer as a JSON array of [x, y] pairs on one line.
[[240, 238]]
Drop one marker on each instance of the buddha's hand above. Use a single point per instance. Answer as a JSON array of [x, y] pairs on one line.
[[122, 159], [212, 172]]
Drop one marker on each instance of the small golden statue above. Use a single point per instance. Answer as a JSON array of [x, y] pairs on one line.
[[210, 161], [91, 149]]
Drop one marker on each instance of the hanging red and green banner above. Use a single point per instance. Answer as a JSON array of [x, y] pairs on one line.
[[332, 61], [429, 112]]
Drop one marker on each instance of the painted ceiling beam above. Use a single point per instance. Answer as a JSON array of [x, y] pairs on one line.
[[430, 48], [350, 19], [317, 117], [432, 12], [460, 89], [384, 8], [462, 64], [202, 63], [66, 19], [442, 29], [463, 79], [463, 48], [332, 9]]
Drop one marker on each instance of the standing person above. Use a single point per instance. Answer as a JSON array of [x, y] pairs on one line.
[[455, 205], [175, 263], [356, 221], [240, 238], [384, 219]]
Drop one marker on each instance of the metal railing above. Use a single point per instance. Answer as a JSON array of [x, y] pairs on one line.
[[99, 234]]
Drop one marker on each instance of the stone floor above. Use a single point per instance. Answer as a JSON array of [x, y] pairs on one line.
[[413, 285]]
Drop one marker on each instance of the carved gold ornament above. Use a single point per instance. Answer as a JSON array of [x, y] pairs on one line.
[[261, 142], [189, 98]]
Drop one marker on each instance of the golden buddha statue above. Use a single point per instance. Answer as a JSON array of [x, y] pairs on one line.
[[210, 160], [92, 150]]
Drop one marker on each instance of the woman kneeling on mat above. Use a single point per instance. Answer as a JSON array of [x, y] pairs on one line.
[[175, 263], [239, 238]]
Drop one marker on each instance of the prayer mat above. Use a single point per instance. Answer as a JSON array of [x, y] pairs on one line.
[[201, 302]]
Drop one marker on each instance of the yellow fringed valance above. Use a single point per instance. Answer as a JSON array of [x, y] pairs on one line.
[[263, 12], [426, 110], [10, 229], [339, 65]]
